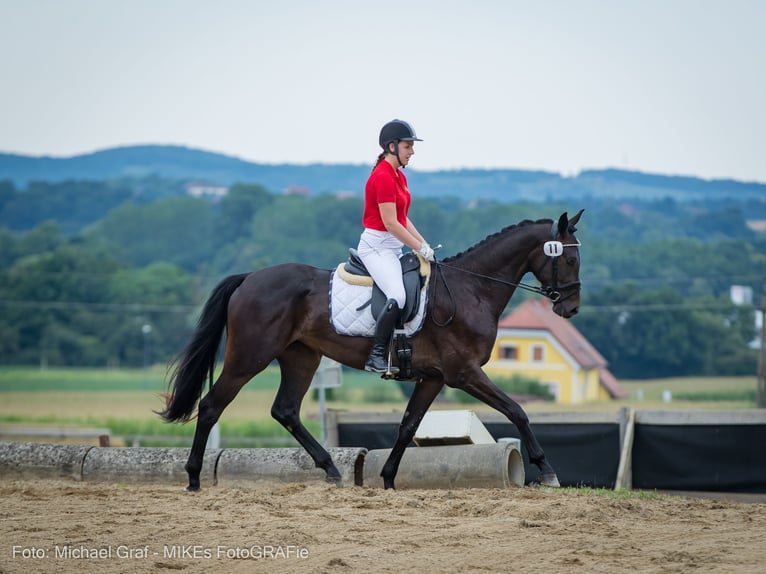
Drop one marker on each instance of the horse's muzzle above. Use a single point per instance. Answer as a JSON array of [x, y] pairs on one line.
[[567, 307], [570, 312]]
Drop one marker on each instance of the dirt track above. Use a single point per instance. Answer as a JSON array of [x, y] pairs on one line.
[[320, 528]]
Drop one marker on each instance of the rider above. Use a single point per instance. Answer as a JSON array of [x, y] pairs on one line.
[[387, 229]]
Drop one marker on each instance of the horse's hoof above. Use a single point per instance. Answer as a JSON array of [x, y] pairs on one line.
[[550, 480], [332, 475], [336, 480], [191, 488]]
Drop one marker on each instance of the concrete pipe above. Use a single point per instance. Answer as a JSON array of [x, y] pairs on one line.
[[26, 460], [455, 466], [238, 465], [132, 465]]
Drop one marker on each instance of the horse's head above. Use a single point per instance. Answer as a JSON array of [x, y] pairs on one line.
[[556, 264]]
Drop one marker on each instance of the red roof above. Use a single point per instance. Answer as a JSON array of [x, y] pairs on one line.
[[536, 314]]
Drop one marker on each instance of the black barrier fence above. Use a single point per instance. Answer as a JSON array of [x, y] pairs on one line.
[[721, 451], [717, 451]]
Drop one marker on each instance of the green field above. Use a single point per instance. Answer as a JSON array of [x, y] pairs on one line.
[[124, 400], [697, 389]]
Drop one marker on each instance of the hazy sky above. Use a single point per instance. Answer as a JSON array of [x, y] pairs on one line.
[[664, 86]]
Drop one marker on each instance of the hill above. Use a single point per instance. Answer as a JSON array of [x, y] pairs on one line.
[[186, 164]]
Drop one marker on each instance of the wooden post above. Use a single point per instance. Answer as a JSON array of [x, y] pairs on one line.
[[761, 391], [332, 428], [624, 480]]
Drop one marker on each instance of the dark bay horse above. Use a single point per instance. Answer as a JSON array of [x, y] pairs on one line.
[[281, 313]]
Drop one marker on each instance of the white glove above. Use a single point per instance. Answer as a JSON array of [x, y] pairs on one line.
[[426, 251]]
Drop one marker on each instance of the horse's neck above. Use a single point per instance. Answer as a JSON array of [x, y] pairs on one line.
[[502, 257]]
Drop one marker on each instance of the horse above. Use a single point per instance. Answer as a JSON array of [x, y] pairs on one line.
[[282, 313]]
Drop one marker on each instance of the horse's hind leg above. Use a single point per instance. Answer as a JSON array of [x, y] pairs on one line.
[[476, 383], [209, 411], [298, 364]]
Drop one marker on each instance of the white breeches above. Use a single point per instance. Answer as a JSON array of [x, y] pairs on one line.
[[380, 251]]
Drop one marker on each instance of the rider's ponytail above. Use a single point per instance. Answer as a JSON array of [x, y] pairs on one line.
[[380, 159]]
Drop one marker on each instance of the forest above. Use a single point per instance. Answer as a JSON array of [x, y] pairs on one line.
[[113, 272]]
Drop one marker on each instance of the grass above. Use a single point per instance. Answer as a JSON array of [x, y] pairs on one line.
[[63, 379], [701, 392], [152, 379], [610, 493], [124, 400]]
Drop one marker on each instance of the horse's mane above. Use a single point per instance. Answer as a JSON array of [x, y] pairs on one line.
[[503, 231]]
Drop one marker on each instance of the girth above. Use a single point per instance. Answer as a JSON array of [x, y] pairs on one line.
[[413, 284]]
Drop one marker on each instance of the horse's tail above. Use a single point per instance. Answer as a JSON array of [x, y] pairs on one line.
[[197, 360]]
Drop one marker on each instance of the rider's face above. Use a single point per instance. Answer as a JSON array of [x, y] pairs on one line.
[[406, 151]]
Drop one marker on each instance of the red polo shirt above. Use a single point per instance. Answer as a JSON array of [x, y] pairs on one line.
[[385, 185]]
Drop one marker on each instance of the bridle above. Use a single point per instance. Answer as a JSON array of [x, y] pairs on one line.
[[553, 249]]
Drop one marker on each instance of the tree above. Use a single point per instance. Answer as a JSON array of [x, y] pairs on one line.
[[338, 220], [53, 305], [7, 193], [648, 333], [724, 223], [72, 204], [43, 238], [290, 231], [7, 248], [177, 230], [161, 296], [656, 273], [237, 209]]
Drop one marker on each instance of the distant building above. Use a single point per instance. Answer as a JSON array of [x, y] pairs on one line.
[[198, 189], [756, 343], [741, 294], [757, 225], [301, 190], [535, 342]]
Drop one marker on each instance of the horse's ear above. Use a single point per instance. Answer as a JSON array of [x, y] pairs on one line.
[[563, 224], [575, 220]]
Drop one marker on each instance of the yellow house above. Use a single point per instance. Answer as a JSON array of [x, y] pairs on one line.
[[535, 342]]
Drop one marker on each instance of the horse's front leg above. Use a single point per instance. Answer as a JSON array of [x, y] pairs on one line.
[[424, 394], [476, 383]]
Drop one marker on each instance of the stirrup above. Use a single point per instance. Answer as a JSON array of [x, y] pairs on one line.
[[389, 369]]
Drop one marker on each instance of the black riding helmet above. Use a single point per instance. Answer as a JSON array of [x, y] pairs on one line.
[[394, 132]]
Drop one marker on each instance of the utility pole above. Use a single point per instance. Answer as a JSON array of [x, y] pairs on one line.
[[761, 392]]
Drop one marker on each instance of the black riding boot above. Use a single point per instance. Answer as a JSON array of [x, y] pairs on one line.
[[377, 362]]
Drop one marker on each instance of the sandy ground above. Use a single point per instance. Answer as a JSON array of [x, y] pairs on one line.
[[48, 526]]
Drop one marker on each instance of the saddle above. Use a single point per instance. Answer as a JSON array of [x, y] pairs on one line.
[[415, 272]]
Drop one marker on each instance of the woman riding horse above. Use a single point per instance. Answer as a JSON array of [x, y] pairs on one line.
[[282, 313]]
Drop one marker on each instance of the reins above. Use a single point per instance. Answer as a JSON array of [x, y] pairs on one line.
[[532, 288], [553, 249], [439, 273], [552, 292]]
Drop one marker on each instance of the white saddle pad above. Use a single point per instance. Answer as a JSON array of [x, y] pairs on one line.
[[346, 298]]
